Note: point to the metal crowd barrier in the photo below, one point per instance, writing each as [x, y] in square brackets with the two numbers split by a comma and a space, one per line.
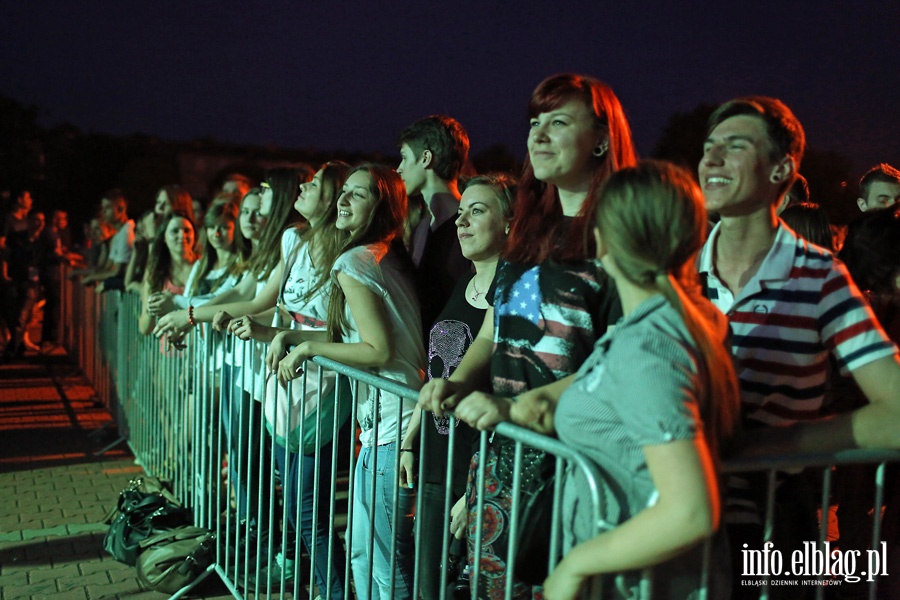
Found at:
[196, 417]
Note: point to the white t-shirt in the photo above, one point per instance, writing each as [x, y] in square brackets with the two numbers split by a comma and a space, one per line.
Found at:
[192, 297]
[122, 244]
[300, 279]
[381, 272]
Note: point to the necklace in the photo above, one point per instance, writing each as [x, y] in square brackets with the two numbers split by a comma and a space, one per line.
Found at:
[475, 293]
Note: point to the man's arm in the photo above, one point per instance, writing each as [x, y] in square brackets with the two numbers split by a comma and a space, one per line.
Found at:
[871, 426]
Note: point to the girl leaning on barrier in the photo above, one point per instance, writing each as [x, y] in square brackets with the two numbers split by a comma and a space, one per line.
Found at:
[551, 299]
[652, 406]
[168, 266]
[373, 323]
[482, 225]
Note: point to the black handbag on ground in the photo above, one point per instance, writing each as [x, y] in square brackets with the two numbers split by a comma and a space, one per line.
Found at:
[170, 560]
[137, 515]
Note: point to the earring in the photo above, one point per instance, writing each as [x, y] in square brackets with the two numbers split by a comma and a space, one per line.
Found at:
[507, 230]
[600, 150]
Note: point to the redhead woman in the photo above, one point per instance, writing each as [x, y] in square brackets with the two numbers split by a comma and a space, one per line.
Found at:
[551, 300]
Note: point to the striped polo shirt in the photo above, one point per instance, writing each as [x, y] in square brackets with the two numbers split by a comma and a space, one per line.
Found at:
[800, 307]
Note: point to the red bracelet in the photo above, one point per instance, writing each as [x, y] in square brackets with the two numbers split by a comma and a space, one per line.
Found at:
[191, 320]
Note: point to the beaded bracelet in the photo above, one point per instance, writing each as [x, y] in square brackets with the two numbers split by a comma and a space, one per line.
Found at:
[191, 320]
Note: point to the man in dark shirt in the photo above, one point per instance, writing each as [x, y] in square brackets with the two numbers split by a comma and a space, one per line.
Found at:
[433, 151]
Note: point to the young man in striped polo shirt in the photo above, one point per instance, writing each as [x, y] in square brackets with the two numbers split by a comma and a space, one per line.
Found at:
[791, 306]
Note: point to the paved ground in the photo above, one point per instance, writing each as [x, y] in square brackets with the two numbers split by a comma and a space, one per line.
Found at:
[55, 491]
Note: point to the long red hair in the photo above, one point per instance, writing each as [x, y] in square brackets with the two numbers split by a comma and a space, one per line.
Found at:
[535, 233]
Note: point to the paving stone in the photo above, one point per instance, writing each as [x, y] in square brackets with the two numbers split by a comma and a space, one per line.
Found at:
[45, 589]
[67, 585]
[97, 566]
[39, 575]
[8, 580]
[110, 591]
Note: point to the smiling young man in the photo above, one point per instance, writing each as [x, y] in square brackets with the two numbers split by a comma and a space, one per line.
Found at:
[879, 188]
[433, 151]
[791, 306]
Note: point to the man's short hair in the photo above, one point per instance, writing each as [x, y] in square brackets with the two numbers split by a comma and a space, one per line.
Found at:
[445, 138]
[883, 173]
[783, 128]
[117, 197]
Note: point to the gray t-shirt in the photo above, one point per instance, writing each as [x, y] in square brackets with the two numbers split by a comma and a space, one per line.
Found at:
[638, 388]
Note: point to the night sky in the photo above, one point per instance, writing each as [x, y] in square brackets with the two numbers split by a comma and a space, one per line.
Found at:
[351, 76]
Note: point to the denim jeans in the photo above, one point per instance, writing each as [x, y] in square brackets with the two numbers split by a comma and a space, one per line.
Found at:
[289, 468]
[383, 476]
[241, 417]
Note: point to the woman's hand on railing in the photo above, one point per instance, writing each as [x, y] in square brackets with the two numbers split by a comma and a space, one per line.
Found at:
[174, 324]
[248, 328]
[483, 411]
[221, 321]
[406, 477]
[438, 395]
[291, 366]
[563, 585]
[160, 303]
[277, 350]
[459, 515]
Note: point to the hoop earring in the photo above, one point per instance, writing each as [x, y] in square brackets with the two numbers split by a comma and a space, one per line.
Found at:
[601, 149]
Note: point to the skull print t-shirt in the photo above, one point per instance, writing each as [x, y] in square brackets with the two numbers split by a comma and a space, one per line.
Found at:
[449, 338]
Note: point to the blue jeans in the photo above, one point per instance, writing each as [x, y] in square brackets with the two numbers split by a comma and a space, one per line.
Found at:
[242, 419]
[383, 476]
[289, 469]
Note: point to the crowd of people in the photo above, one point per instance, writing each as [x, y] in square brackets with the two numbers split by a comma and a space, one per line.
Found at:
[656, 324]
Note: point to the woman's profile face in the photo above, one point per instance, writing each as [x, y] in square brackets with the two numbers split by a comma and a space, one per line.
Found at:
[310, 203]
[356, 202]
[480, 223]
[251, 218]
[221, 235]
[180, 237]
[162, 206]
[561, 143]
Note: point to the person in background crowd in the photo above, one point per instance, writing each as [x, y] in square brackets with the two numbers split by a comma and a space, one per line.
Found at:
[373, 323]
[169, 265]
[23, 253]
[797, 194]
[578, 137]
[16, 221]
[871, 255]
[236, 183]
[433, 151]
[114, 211]
[169, 198]
[774, 287]
[53, 253]
[879, 188]
[482, 225]
[810, 221]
